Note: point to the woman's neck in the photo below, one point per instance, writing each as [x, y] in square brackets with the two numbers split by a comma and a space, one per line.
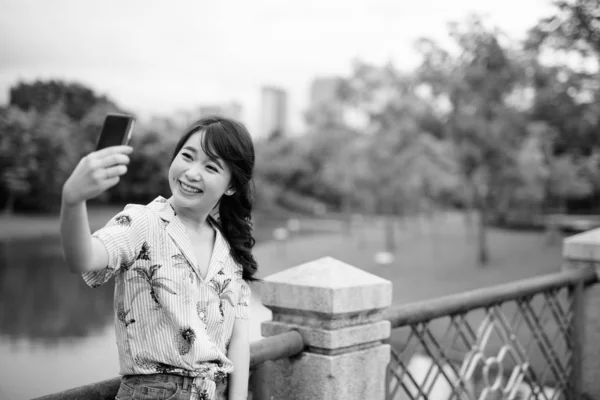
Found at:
[192, 219]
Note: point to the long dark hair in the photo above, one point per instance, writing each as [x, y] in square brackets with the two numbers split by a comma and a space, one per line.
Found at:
[230, 141]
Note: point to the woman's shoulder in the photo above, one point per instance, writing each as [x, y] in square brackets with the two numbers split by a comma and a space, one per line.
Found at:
[134, 212]
[155, 206]
[137, 210]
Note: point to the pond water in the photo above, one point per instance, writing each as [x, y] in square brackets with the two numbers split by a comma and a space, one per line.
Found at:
[56, 332]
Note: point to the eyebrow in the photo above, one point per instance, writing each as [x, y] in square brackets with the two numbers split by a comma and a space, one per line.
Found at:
[195, 151]
[190, 148]
[216, 161]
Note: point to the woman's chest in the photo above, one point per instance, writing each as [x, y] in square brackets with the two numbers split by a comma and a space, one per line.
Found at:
[202, 248]
[201, 259]
[168, 271]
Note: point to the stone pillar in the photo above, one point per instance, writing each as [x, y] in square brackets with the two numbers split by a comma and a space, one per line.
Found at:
[583, 251]
[338, 310]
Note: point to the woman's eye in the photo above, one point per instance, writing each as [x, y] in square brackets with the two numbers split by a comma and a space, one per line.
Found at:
[212, 168]
[186, 155]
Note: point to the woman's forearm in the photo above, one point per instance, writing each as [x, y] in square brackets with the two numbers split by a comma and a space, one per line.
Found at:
[239, 354]
[81, 252]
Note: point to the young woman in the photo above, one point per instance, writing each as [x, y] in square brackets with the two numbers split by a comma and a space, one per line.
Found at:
[182, 265]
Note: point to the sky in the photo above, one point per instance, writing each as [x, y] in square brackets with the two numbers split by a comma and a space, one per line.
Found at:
[156, 57]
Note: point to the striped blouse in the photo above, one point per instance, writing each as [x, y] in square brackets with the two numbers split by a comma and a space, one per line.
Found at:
[167, 318]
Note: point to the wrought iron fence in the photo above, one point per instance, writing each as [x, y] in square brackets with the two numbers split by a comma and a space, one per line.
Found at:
[513, 341]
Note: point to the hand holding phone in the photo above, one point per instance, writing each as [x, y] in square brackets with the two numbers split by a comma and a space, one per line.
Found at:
[95, 173]
[103, 168]
[116, 131]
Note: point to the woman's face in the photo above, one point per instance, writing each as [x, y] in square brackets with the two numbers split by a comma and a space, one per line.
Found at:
[197, 181]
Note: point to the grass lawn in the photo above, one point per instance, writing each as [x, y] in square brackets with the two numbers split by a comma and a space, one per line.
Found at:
[432, 258]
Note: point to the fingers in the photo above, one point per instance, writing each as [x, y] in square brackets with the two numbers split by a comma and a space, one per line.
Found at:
[101, 175]
[114, 172]
[112, 160]
[112, 182]
[108, 157]
[113, 150]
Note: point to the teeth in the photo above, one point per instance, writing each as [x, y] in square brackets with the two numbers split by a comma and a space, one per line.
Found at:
[189, 188]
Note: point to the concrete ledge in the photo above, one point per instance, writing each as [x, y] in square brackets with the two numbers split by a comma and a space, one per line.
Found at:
[334, 339]
[583, 246]
[311, 319]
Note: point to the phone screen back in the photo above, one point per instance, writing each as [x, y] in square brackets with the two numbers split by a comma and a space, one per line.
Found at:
[115, 131]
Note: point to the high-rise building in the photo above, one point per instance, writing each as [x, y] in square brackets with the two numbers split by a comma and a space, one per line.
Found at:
[273, 121]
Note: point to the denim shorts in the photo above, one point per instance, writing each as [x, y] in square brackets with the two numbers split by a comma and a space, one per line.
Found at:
[161, 387]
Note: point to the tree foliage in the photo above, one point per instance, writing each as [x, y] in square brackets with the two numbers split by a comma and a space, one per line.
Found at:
[42, 96]
[575, 25]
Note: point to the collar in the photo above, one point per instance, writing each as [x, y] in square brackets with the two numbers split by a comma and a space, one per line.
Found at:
[163, 208]
[177, 231]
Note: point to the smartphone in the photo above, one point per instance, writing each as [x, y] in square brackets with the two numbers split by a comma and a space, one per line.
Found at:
[116, 130]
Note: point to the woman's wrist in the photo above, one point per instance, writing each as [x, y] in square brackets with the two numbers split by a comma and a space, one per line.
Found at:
[70, 199]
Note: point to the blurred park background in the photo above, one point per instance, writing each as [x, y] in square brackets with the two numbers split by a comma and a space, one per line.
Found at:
[462, 171]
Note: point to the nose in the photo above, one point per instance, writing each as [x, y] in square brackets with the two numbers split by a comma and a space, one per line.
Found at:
[193, 174]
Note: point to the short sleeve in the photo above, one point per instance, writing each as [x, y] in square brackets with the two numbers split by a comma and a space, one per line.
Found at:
[123, 237]
[242, 309]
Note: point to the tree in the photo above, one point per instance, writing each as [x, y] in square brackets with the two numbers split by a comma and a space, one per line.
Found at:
[567, 97]
[397, 165]
[574, 27]
[566, 100]
[55, 155]
[475, 80]
[17, 150]
[567, 91]
[283, 170]
[42, 96]
[567, 178]
[37, 156]
[38, 96]
[49, 126]
[522, 190]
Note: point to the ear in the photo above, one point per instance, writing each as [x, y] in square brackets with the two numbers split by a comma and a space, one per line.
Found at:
[229, 191]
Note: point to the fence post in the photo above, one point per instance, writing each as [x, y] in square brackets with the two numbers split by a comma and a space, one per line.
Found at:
[583, 251]
[338, 310]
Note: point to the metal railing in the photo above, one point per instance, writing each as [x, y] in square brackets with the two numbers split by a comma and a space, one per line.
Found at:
[272, 348]
[513, 341]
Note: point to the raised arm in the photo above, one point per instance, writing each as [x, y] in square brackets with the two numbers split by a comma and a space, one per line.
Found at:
[94, 174]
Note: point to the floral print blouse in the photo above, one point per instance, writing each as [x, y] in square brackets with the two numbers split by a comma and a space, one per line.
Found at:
[167, 318]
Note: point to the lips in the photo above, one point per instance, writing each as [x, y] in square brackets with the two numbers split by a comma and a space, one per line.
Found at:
[189, 189]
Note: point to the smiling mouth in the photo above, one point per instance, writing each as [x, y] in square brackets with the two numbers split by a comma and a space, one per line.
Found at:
[189, 189]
